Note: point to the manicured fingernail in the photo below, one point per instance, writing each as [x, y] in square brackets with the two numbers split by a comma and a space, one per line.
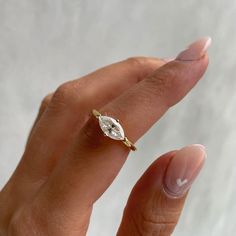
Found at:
[183, 169]
[195, 50]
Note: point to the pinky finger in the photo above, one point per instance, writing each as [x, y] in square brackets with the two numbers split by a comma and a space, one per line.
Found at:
[156, 202]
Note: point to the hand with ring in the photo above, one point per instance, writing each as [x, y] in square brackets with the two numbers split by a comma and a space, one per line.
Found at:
[81, 138]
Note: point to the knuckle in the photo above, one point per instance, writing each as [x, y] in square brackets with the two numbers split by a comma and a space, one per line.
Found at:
[160, 84]
[156, 218]
[156, 225]
[148, 224]
[64, 92]
[47, 99]
[162, 80]
[142, 65]
[137, 61]
[68, 96]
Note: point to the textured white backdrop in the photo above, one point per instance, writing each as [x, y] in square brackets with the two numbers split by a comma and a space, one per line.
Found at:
[44, 43]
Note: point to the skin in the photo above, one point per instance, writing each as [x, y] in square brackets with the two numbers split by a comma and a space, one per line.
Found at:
[55, 185]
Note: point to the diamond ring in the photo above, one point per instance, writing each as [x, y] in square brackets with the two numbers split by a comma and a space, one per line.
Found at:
[112, 128]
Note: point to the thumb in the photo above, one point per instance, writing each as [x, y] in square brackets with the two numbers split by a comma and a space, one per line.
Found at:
[157, 199]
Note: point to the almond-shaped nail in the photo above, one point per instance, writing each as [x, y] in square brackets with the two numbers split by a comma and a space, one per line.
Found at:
[183, 169]
[195, 50]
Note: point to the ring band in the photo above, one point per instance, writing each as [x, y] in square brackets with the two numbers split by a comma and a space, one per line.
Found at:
[112, 128]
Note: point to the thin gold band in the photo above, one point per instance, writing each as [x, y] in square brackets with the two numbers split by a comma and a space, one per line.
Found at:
[126, 141]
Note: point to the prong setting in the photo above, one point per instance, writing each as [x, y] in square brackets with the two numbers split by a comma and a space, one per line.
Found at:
[112, 128]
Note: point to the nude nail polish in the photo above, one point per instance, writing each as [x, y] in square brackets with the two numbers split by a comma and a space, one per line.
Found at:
[195, 50]
[183, 169]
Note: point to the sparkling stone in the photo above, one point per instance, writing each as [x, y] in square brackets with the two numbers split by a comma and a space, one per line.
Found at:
[111, 127]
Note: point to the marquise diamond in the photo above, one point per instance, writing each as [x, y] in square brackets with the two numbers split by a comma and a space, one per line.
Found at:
[111, 127]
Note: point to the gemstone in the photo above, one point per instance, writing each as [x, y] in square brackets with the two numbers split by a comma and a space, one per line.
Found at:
[111, 127]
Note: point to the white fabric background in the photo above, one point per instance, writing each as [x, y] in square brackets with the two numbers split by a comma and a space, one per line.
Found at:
[44, 43]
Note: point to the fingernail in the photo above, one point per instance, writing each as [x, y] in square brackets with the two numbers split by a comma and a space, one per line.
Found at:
[195, 50]
[183, 169]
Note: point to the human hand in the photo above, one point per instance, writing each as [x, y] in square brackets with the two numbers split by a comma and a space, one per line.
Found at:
[68, 164]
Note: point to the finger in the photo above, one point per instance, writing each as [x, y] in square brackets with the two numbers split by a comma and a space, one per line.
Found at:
[93, 161]
[44, 105]
[68, 110]
[17, 185]
[157, 199]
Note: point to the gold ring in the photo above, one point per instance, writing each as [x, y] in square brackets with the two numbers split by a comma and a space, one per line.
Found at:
[112, 128]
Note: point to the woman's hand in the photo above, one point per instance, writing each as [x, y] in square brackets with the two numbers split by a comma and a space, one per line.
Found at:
[68, 163]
